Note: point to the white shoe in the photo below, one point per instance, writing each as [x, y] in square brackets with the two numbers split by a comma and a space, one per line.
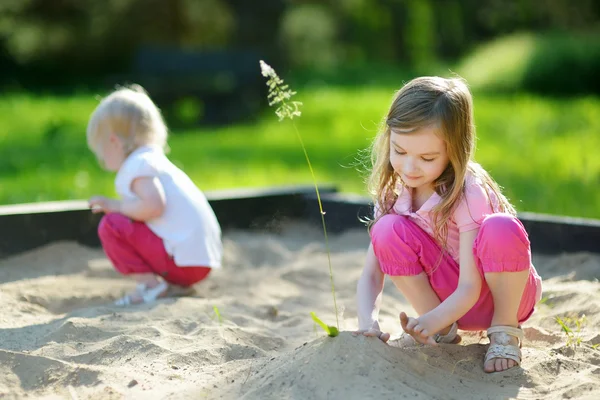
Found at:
[147, 295]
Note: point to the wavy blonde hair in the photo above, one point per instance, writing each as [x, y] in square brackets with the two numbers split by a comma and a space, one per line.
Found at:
[422, 102]
[129, 113]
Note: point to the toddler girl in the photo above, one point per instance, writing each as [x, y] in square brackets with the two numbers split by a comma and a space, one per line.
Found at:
[162, 230]
[443, 231]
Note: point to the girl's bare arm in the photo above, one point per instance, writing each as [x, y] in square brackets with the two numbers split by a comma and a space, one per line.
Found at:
[368, 292]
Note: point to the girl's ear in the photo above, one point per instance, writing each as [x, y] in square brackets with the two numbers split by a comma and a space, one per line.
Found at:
[113, 139]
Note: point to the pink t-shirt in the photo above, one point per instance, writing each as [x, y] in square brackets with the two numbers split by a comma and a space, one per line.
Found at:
[475, 205]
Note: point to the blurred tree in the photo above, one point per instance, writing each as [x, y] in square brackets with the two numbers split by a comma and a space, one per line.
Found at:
[309, 36]
[420, 34]
[83, 38]
[507, 16]
[258, 28]
[367, 29]
[450, 25]
[60, 41]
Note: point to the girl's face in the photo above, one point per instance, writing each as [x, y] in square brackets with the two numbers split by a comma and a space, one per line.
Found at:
[111, 153]
[419, 157]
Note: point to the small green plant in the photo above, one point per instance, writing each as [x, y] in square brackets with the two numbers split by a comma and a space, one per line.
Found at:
[572, 328]
[280, 96]
[543, 300]
[218, 315]
[331, 331]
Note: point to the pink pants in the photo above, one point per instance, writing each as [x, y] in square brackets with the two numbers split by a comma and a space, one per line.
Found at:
[404, 249]
[134, 249]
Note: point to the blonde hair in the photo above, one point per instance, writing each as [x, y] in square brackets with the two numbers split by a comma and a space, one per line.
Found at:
[129, 113]
[448, 104]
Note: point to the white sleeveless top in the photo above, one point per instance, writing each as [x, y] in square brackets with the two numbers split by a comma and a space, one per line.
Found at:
[188, 226]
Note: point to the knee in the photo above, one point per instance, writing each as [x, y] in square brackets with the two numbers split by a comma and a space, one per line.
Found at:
[109, 225]
[503, 228]
[501, 224]
[386, 228]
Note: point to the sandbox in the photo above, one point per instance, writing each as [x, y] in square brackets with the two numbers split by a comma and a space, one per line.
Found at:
[247, 333]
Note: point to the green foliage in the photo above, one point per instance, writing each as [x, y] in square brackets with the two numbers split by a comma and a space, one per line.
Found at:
[188, 111]
[309, 34]
[564, 64]
[572, 327]
[420, 33]
[331, 331]
[542, 151]
[555, 64]
[218, 316]
[499, 65]
[80, 41]
[37, 31]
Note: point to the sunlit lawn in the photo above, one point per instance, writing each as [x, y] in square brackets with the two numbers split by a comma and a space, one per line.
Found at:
[543, 151]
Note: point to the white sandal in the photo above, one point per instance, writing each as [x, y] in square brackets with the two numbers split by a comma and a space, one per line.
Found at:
[448, 337]
[501, 347]
[148, 295]
[406, 340]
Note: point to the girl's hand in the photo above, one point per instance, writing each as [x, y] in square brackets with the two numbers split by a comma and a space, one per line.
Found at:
[103, 204]
[414, 328]
[373, 332]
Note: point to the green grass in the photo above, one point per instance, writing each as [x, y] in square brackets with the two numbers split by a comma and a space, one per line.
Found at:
[542, 151]
[550, 63]
[499, 65]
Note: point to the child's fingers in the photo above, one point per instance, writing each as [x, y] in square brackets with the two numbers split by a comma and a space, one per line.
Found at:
[421, 330]
[403, 320]
[430, 341]
[424, 339]
[427, 339]
[412, 323]
[95, 199]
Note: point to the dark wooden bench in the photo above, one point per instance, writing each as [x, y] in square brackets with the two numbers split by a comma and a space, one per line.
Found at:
[208, 88]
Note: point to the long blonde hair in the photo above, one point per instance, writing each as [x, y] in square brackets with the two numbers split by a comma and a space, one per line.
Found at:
[129, 113]
[419, 103]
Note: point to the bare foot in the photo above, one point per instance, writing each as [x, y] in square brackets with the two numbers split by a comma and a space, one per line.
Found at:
[383, 336]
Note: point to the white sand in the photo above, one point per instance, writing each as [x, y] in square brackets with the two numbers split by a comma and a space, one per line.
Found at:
[61, 338]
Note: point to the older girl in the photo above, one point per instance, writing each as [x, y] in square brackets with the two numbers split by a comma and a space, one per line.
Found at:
[443, 231]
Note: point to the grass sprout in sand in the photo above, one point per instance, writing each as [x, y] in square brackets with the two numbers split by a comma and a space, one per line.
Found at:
[280, 96]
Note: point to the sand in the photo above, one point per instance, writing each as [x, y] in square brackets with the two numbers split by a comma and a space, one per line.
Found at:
[60, 337]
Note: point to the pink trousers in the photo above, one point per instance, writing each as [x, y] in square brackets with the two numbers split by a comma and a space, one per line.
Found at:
[134, 249]
[404, 249]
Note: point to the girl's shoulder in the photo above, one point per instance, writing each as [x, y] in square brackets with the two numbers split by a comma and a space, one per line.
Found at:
[473, 177]
[144, 161]
[475, 191]
[475, 186]
[476, 203]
